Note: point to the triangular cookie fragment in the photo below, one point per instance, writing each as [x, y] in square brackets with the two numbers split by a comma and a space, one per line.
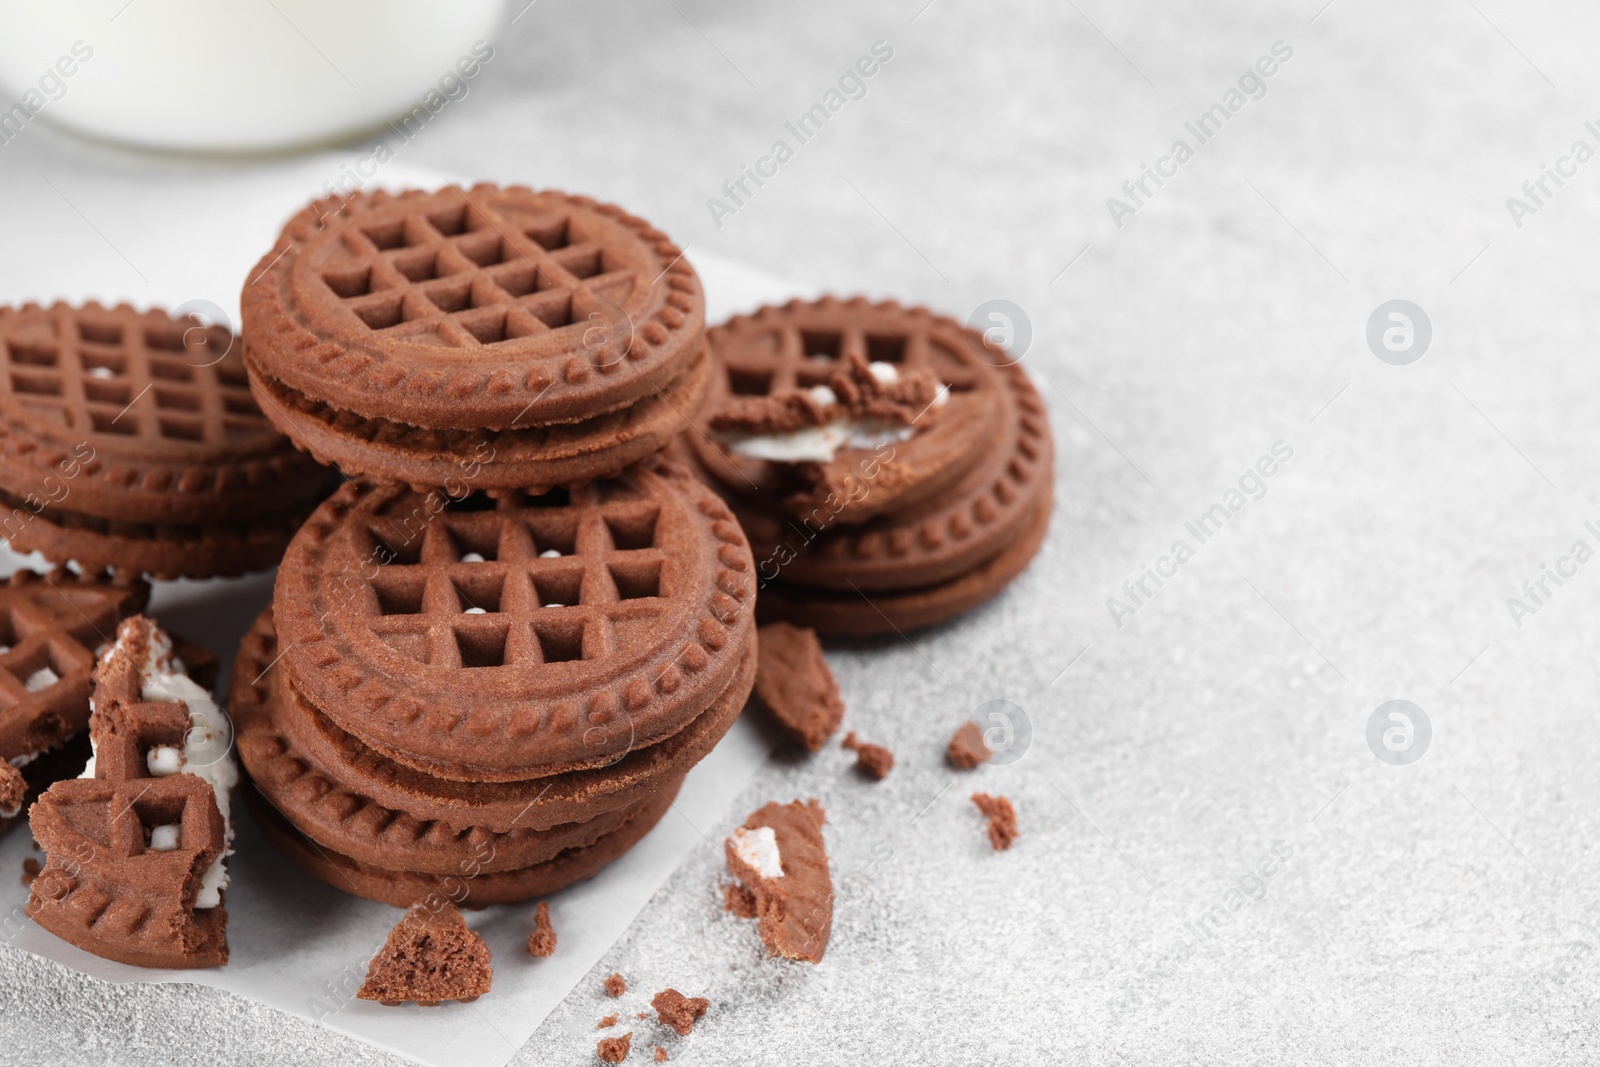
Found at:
[430, 957]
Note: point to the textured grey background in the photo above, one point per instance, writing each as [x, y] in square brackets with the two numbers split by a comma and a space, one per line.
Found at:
[1438, 913]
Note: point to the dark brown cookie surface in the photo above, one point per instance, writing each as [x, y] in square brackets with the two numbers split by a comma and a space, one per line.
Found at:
[498, 308]
[906, 512]
[780, 857]
[124, 431]
[133, 852]
[498, 640]
[795, 684]
[469, 889]
[50, 625]
[356, 801]
[429, 957]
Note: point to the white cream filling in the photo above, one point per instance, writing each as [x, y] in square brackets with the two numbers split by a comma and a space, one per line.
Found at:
[472, 557]
[550, 553]
[165, 838]
[101, 372]
[759, 849]
[819, 444]
[474, 611]
[41, 679]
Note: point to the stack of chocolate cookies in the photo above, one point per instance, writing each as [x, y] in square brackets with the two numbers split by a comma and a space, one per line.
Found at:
[491, 659]
[891, 467]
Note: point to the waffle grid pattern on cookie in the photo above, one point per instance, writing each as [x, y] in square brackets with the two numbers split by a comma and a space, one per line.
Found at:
[458, 277]
[47, 631]
[138, 375]
[791, 356]
[480, 588]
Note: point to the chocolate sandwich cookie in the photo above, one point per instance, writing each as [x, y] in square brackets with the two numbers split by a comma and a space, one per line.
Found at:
[354, 801]
[130, 440]
[486, 640]
[867, 513]
[496, 337]
[135, 847]
[470, 887]
[50, 625]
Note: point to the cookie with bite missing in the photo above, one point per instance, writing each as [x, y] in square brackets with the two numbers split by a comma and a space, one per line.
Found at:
[892, 467]
[495, 337]
[129, 440]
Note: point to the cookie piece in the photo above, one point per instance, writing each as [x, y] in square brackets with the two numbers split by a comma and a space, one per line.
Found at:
[967, 747]
[355, 802]
[795, 684]
[873, 760]
[780, 857]
[488, 640]
[502, 337]
[429, 957]
[50, 625]
[661, 1054]
[542, 942]
[134, 849]
[678, 1011]
[616, 985]
[1002, 820]
[614, 1049]
[404, 888]
[130, 439]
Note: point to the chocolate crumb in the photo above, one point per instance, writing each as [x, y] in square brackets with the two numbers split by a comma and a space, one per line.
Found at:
[874, 760]
[13, 787]
[678, 1011]
[739, 900]
[857, 394]
[542, 942]
[641, 1015]
[794, 683]
[795, 903]
[430, 956]
[1002, 818]
[30, 870]
[614, 1049]
[609, 1020]
[616, 985]
[661, 1054]
[968, 748]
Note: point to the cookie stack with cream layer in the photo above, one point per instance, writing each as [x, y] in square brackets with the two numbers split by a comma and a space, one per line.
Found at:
[491, 659]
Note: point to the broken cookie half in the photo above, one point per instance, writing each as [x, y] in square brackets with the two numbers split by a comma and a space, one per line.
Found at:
[780, 857]
[134, 848]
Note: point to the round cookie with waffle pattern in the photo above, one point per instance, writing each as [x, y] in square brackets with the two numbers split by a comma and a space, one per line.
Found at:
[129, 440]
[488, 639]
[547, 338]
[891, 467]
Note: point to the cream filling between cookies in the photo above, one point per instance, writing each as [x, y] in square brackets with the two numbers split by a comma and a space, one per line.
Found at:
[759, 849]
[206, 752]
[819, 444]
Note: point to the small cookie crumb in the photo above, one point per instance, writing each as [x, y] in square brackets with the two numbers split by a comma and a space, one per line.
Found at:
[1002, 818]
[641, 1015]
[678, 1011]
[661, 1054]
[616, 985]
[608, 1021]
[30, 870]
[542, 942]
[968, 748]
[739, 900]
[874, 760]
[614, 1049]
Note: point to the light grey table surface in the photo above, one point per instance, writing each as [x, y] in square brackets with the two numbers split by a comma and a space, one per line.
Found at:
[1441, 912]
